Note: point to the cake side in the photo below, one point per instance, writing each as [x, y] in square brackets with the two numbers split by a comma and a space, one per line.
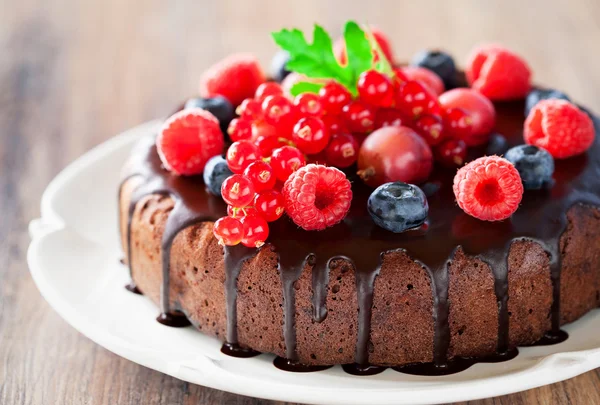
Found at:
[402, 327]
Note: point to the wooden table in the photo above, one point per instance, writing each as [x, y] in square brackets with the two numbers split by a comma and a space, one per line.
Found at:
[74, 73]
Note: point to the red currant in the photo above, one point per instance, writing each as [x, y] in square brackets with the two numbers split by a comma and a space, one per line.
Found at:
[286, 160]
[261, 128]
[240, 212]
[239, 129]
[269, 205]
[334, 97]
[399, 78]
[310, 135]
[459, 123]
[256, 231]
[266, 144]
[228, 231]
[240, 154]
[308, 104]
[451, 153]
[414, 99]
[342, 151]
[250, 109]
[334, 124]
[268, 89]
[276, 109]
[480, 109]
[375, 88]
[262, 175]
[359, 117]
[431, 128]
[237, 190]
[389, 117]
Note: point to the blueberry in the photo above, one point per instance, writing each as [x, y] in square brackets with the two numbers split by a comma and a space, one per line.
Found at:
[398, 206]
[218, 106]
[215, 173]
[535, 165]
[537, 95]
[498, 145]
[438, 62]
[278, 69]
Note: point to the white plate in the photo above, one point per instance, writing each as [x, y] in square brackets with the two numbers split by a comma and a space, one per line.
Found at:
[73, 259]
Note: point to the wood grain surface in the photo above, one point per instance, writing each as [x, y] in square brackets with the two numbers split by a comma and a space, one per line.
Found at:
[74, 73]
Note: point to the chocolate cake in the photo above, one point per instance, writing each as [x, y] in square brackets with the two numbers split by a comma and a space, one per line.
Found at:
[356, 294]
[408, 258]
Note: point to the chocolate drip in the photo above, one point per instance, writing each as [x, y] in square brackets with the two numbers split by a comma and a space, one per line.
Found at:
[131, 287]
[541, 218]
[235, 350]
[295, 367]
[174, 319]
[235, 256]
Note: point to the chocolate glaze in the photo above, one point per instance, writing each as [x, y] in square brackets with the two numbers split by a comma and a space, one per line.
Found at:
[295, 367]
[541, 218]
[235, 350]
[133, 288]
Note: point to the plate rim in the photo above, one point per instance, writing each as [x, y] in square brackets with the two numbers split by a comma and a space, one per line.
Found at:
[548, 370]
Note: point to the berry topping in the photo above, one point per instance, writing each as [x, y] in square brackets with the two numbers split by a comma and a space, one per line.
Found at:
[317, 197]
[188, 139]
[535, 165]
[237, 191]
[559, 127]
[250, 109]
[269, 205]
[228, 231]
[428, 78]
[334, 97]
[480, 109]
[261, 128]
[335, 124]
[218, 106]
[537, 95]
[430, 127]
[268, 89]
[240, 212]
[451, 153]
[310, 135]
[256, 231]
[278, 68]
[235, 78]
[359, 117]
[266, 144]
[215, 173]
[389, 117]
[342, 151]
[239, 129]
[240, 154]
[375, 88]
[394, 154]
[438, 62]
[414, 99]
[277, 110]
[285, 161]
[382, 41]
[398, 206]
[488, 188]
[498, 73]
[309, 104]
[262, 175]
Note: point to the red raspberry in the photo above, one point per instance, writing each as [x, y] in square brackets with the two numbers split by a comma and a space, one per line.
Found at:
[559, 127]
[498, 73]
[488, 188]
[339, 47]
[236, 77]
[188, 139]
[317, 197]
[426, 77]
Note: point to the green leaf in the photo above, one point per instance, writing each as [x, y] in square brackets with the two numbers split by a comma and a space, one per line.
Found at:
[358, 50]
[305, 87]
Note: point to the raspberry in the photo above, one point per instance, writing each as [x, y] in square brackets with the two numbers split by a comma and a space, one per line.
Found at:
[317, 197]
[488, 188]
[559, 127]
[188, 139]
[498, 73]
[236, 78]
